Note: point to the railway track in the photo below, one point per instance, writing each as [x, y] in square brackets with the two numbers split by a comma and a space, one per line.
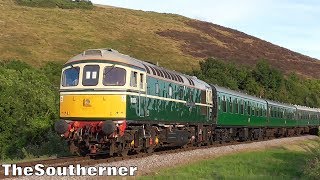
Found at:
[87, 161]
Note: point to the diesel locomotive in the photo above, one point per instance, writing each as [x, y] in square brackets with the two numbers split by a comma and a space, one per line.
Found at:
[113, 104]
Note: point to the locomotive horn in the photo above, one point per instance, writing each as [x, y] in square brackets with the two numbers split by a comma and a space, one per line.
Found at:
[61, 126]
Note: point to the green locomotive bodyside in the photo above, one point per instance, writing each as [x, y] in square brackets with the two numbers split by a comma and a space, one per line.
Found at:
[168, 102]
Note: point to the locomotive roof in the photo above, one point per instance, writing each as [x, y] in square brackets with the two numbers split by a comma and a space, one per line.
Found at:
[105, 54]
[229, 91]
[151, 69]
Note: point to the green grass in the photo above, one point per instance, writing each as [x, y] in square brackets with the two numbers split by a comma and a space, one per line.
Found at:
[276, 163]
[38, 35]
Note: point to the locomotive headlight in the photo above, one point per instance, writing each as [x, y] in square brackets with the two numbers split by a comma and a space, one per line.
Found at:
[86, 102]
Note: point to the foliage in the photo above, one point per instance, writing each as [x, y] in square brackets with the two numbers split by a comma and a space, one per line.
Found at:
[63, 4]
[28, 109]
[261, 81]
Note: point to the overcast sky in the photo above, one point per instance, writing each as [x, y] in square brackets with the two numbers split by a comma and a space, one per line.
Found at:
[292, 24]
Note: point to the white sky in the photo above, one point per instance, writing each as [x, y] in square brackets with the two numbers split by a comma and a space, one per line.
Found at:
[292, 24]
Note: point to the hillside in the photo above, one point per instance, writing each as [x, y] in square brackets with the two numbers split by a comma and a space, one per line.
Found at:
[37, 35]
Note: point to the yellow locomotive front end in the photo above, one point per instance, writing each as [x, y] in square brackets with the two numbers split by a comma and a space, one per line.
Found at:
[92, 106]
[93, 95]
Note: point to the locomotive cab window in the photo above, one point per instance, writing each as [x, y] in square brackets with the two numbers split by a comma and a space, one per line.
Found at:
[70, 77]
[114, 76]
[141, 81]
[90, 75]
[134, 79]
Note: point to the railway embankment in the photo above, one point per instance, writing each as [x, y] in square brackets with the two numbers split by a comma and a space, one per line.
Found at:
[151, 164]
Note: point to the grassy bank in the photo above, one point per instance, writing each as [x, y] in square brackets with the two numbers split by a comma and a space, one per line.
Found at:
[287, 162]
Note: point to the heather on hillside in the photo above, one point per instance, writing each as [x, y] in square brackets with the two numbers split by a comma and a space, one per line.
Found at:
[37, 35]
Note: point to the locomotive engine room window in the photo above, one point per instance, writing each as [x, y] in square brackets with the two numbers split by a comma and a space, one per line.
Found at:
[181, 93]
[170, 91]
[157, 88]
[134, 79]
[70, 77]
[90, 75]
[114, 76]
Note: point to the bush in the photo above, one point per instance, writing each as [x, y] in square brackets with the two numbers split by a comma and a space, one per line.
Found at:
[64, 4]
[312, 168]
[28, 109]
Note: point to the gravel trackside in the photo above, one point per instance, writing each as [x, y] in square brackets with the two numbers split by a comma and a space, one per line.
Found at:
[153, 163]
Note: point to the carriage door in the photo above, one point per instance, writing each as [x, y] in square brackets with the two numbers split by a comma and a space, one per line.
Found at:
[142, 93]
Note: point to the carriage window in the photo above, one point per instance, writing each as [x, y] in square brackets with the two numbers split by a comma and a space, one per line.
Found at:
[70, 77]
[241, 107]
[249, 108]
[224, 104]
[134, 79]
[90, 75]
[230, 104]
[114, 76]
[236, 106]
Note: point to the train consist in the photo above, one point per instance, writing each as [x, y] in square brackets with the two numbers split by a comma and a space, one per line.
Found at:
[113, 104]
